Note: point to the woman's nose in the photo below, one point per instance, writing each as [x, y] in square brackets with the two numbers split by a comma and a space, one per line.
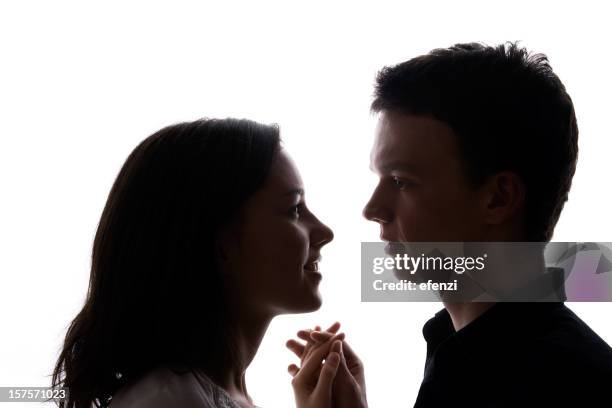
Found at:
[322, 235]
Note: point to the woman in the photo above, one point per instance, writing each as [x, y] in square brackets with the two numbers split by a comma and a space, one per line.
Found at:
[205, 237]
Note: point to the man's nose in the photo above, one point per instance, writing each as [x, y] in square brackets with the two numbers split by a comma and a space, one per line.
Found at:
[376, 211]
[376, 214]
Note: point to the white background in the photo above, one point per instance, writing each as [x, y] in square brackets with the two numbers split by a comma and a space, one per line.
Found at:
[82, 83]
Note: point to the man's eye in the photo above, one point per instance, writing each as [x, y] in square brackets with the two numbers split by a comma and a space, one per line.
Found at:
[399, 183]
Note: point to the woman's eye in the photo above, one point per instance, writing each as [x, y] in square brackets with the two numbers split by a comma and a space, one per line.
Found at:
[295, 210]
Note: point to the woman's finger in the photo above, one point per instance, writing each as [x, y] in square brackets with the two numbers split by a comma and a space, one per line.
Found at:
[333, 328]
[348, 350]
[305, 334]
[318, 340]
[312, 363]
[320, 337]
[295, 346]
[323, 389]
[293, 369]
[307, 348]
[351, 358]
[328, 372]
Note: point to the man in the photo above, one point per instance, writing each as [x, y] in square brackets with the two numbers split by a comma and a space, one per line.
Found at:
[479, 143]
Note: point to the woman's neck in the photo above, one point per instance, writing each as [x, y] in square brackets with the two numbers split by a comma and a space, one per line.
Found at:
[248, 333]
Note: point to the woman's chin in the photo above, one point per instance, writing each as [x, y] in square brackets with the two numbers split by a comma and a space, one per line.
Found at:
[317, 302]
[308, 304]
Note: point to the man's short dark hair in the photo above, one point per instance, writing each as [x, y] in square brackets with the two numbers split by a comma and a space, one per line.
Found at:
[509, 111]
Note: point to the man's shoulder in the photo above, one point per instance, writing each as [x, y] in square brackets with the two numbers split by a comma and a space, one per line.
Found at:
[566, 343]
[560, 359]
[565, 329]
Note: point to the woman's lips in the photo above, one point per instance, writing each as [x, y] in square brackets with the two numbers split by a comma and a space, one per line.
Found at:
[312, 267]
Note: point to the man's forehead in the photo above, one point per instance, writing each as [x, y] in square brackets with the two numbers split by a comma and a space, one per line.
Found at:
[392, 143]
[396, 125]
[406, 140]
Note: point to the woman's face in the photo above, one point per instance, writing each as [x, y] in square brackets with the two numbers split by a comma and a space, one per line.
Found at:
[270, 254]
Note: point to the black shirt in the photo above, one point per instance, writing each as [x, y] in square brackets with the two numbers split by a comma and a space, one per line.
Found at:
[516, 355]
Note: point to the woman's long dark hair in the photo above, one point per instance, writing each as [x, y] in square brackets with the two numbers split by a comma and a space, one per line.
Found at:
[155, 295]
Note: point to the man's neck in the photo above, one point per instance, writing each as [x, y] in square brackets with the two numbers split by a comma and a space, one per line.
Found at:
[463, 314]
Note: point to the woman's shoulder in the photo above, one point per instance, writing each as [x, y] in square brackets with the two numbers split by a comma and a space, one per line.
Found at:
[166, 386]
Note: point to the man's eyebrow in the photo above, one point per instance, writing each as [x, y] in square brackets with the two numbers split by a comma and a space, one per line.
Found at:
[295, 191]
[387, 167]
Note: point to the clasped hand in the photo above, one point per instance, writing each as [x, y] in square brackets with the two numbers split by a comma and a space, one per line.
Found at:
[330, 374]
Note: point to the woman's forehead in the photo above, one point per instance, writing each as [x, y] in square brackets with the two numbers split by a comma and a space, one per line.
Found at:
[284, 177]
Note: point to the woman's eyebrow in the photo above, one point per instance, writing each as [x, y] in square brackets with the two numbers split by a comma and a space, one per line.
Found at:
[295, 191]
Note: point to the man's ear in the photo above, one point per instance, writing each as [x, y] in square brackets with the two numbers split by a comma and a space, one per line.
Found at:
[220, 251]
[505, 195]
[224, 241]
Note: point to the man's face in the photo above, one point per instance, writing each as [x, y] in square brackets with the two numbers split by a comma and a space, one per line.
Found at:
[423, 194]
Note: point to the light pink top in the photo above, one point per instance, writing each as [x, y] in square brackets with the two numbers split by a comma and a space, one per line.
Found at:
[166, 388]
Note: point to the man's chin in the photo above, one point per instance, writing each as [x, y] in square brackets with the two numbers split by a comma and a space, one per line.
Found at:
[424, 276]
